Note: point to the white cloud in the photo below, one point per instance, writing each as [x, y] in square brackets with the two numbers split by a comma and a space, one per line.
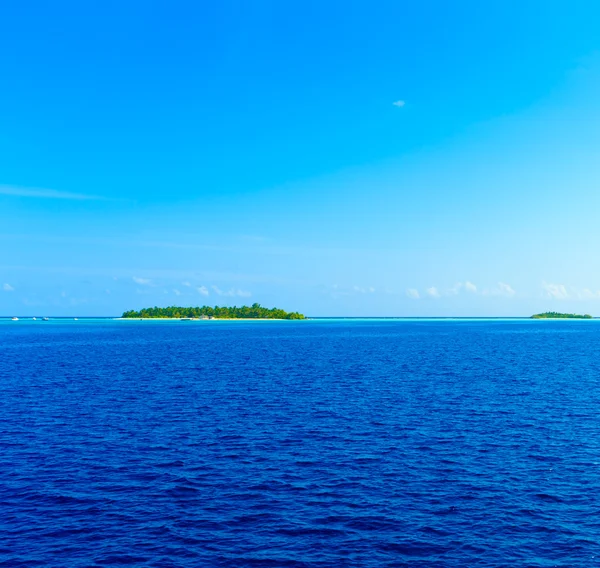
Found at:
[188, 284]
[588, 294]
[232, 292]
[142, 281]
[562, 292]
[502, 289]
[556, 291]
[202, 290]
[506, 290]
[361, 290]
[336, 291]
[45, 193]
[433, 292]
[8, 288]
[399, 103]
[467, 286]
[455, 289]
[176, 292]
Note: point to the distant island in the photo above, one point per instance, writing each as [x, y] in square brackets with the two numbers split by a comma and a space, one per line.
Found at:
[558, 315]
[255, 311]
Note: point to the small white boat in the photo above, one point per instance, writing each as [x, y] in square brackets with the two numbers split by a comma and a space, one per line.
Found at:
[75, 319]
[15, 319]
[45, 319]
[33, 319]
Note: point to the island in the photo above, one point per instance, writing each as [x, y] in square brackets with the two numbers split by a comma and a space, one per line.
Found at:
[255, 311]
[558, 315]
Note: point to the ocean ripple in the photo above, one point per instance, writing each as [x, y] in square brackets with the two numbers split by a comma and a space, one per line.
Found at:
[300, 444]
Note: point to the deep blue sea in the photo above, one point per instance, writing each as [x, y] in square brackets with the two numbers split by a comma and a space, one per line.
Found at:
[319, 443]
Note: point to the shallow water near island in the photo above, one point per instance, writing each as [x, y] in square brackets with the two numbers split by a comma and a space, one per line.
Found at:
[317, 443]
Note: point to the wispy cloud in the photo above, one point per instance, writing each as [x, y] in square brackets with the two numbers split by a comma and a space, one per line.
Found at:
[336, 291]
[362, 290]
[231, 293]
[18, 191]
[436, 292]
[506, 289]
[433, 292]
[176, 292]
[556, 291]
[455, 289]
[203, 290]
[399, 103]
[413, 293]
[563, 292]
[142, 281]
[186, 283]
[459, 286]
[587, 294]
[7, 287]
[502, 289]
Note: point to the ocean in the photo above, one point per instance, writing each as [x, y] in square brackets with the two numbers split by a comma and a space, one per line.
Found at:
[322, 443]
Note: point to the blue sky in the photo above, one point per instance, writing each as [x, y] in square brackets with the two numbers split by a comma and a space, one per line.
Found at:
[381, 158]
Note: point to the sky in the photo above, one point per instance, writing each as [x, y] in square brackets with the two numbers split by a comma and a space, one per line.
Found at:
[335, 158]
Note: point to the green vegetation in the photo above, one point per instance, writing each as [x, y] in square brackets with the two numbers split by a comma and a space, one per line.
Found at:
[255, 311]
[558, 315]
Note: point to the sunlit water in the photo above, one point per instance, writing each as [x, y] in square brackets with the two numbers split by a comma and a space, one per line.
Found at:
[340, 443]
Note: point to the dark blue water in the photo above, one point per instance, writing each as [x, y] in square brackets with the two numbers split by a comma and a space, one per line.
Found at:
[374, 443]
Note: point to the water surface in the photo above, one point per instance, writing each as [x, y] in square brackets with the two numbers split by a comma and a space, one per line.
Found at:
[318, 443]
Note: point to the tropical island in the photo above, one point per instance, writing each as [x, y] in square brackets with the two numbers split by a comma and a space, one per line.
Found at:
[558, 315]
[255, 311]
